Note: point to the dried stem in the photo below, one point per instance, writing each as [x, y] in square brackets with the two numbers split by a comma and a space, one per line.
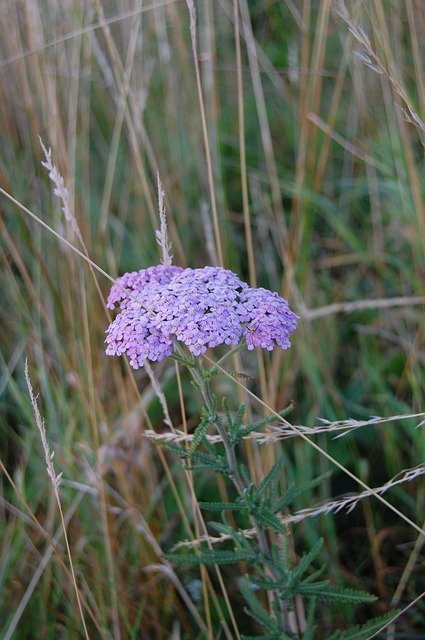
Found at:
[371, 59]
[192, 18]
[162, 233]
[284, 430]
[60, 190]
[55, 478]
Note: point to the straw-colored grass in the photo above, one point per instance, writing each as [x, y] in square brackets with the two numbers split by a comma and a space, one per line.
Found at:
[289, 140]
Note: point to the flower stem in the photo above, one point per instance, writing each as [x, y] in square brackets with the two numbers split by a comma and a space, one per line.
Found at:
[241, 486]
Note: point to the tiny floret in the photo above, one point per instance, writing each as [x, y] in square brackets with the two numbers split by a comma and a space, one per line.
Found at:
[134, 282]
[270, 319]
[200, 308]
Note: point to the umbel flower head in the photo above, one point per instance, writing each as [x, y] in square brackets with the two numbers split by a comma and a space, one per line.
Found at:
[201, 308]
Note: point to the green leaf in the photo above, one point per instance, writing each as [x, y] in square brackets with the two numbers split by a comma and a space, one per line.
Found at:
[310, 632]
[363, 632]
[324, 591]
[267, 636]
[272, 475]
[223, 506]
[315, 575]
[234, 423]
[267, 584]
[239, 414]
[220, 527]
[226, 412]
[184, 361]
[208, 556]
[267, 519]
[256, 611]
[292, 492]
[307, 559]
[259, 424]
[288, 498]
[216, 462]
[201, 430]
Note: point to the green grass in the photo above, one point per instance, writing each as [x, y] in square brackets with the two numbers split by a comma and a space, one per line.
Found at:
[337, 213]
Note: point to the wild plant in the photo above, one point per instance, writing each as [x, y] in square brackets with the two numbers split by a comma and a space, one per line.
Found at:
[168, 311]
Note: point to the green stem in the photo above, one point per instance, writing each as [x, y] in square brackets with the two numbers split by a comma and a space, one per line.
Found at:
[231, 352]
[241, 486]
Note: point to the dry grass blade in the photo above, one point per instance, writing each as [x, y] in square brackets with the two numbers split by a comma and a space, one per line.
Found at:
[348, 503]
[162, 233]
[371, 59]
[159, 394]
[48, 455]
[361, 305]
[79, 32]
[57, 235]
[276, 433]
[40, 569]
[55, 479]
[349, 146]
[216, 225]
[60, 189]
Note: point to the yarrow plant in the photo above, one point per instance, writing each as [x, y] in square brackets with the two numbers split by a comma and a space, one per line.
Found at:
[166, 311]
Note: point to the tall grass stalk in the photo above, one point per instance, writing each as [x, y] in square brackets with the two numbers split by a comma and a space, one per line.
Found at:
[55, 480]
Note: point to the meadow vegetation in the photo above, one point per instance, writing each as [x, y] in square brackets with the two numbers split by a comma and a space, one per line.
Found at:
[289, 138]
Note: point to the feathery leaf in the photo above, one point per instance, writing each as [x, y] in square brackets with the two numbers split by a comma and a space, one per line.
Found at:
[212, 557]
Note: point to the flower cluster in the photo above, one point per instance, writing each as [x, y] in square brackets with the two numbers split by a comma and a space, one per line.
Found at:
[201, 308]
[132, 283]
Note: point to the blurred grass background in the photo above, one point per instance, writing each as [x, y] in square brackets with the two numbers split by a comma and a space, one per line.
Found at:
[313, 118]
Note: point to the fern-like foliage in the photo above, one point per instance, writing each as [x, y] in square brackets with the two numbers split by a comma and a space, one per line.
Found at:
[212, 556]
[256, 611]
[207, 421]
[364, 631]
[324, 591]
[300, 580]
[267, 636]
[223, 506]
[200, 461]
[264, 422]
[261, 504]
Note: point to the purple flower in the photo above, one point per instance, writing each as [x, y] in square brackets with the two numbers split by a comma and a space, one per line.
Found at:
[201, 308]
[136, 281]
[270, 319]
